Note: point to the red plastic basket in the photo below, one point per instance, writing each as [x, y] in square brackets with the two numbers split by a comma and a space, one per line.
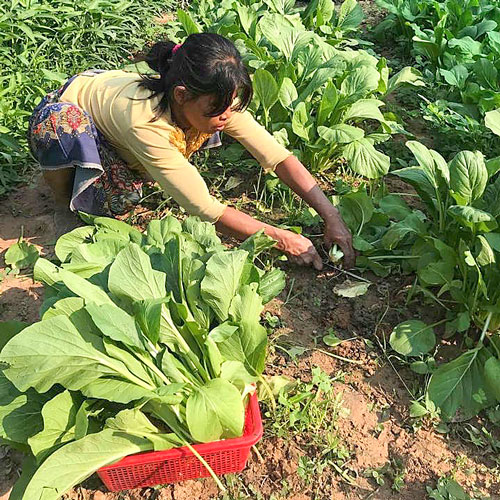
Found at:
[179, 464]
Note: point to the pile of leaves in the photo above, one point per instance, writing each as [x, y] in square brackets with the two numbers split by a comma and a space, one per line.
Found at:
[146, 342]
[316, 94]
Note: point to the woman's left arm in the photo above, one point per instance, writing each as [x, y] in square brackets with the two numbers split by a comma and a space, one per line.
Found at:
[273, 156]
[297, 177]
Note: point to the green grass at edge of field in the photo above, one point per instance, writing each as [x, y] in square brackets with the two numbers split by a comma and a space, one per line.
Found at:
[44, 42]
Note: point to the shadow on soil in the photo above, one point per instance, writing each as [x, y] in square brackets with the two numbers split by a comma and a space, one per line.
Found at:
[20, 301]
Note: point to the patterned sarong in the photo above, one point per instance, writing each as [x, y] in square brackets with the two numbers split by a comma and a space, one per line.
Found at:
[62, 135]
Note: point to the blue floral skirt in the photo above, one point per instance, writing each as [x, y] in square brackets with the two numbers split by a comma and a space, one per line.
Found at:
[61, 135]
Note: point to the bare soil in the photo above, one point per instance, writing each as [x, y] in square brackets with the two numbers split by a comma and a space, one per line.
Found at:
[376, 427]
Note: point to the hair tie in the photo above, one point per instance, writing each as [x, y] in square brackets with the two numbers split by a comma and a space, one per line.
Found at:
[176, 48]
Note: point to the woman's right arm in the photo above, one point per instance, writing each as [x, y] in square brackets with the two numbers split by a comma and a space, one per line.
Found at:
[240, 225]
[181, 180]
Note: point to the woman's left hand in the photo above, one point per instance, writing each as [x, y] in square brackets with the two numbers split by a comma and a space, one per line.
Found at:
[337, 232]
[295, 175]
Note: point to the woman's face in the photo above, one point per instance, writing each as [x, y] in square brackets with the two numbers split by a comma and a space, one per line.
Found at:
[193, 112]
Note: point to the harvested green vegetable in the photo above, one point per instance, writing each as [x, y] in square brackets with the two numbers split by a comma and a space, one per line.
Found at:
[335, 254]
[162, 325]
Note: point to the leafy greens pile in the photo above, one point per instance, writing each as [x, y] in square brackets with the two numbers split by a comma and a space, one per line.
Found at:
[164, 324]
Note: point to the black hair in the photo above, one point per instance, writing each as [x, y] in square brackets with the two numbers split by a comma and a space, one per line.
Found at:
[206, 64]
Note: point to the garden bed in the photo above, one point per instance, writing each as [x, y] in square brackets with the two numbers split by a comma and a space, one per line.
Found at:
[375, 429]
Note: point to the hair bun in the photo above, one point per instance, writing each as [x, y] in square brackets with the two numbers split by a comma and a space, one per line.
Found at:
[160, 56]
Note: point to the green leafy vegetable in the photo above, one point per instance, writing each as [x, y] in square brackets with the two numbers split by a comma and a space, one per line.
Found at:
[412, 338]
[21, 255]
[458, 387]
[169, 327]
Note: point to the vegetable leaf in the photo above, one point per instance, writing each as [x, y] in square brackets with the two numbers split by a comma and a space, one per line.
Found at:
[457, 387]
[215, 410]
[77, 460]
[412, 338]
[222, 279]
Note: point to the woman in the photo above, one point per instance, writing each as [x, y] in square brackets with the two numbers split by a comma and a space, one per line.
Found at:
[100, 136]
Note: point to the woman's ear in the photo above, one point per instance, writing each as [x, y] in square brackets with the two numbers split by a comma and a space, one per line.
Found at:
[180, 94]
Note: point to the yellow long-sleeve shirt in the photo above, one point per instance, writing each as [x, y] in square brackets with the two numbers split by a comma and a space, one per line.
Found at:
[122, 112]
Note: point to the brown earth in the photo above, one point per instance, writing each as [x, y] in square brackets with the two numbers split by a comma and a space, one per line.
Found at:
[376, 427]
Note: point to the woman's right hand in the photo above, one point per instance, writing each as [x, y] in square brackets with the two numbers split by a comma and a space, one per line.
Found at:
[299, 249]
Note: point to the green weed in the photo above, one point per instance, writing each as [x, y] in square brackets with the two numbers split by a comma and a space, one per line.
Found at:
[448, 489]
[394, 471]
[312, 410]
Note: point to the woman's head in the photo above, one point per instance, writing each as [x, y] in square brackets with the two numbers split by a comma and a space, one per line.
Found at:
[202, 78]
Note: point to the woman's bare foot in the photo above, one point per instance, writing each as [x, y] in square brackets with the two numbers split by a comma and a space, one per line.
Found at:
[65, 221]
[60, 182]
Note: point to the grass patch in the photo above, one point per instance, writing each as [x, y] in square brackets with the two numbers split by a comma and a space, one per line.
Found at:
[44, 42]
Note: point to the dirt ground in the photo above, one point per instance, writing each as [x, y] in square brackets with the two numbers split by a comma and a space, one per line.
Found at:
[376, 427]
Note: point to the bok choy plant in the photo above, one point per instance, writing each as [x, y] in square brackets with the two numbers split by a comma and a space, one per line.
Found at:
[455, 252]
[146, 342]
[319, 97]
[452, 243]
[457, 43]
